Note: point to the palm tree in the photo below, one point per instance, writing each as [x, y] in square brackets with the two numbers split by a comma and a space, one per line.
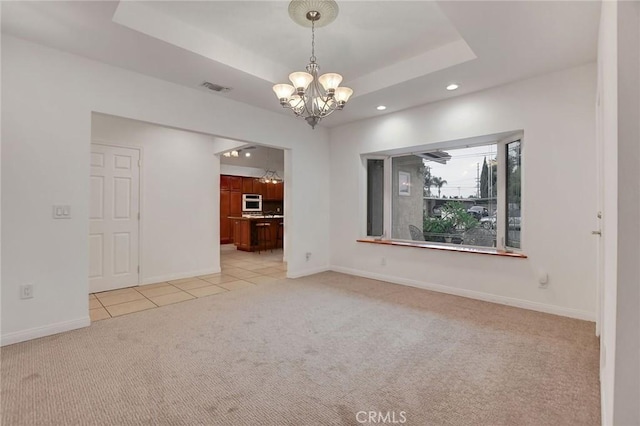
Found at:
[428, 181]
[438, 182]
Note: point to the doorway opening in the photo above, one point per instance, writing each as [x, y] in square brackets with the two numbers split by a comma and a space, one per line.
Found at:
[154, 219]
[252, 210]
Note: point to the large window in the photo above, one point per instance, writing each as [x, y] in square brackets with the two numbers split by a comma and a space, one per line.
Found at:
[456, 195]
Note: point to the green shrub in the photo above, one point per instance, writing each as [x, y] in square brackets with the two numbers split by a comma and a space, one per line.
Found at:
[454, 218]
[437, 225]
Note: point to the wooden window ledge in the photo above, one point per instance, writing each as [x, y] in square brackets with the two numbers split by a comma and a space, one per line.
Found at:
[462, 249]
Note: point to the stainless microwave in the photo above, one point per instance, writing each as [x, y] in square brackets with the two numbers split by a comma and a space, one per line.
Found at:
[251, 202]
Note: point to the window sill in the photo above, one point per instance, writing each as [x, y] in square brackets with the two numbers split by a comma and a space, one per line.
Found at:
[476, 250]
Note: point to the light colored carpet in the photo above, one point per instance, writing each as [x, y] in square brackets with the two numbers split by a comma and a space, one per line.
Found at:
[311, 351]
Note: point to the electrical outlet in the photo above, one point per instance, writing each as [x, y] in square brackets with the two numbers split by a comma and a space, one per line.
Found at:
[308, 255]
[383, 261]
[26, 291]
[543, 280]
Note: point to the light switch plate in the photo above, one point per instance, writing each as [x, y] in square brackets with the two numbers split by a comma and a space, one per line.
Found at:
[62, 212]
[26, 291]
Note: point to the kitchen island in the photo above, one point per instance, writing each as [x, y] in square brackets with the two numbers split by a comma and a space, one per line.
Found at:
[246, 234]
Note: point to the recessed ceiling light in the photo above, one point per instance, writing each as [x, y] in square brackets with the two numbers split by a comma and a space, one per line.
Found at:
[381, 107]
[452, 86]
[247, 154]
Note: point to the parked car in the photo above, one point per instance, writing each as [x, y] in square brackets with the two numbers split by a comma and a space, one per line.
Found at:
[489, 222]
[478, 212]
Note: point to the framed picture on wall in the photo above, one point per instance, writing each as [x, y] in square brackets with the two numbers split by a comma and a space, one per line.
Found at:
[404, 183]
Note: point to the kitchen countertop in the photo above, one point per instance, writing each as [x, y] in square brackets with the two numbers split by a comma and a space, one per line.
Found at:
[255, 217]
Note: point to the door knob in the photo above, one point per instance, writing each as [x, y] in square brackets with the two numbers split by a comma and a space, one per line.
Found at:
[596, 232]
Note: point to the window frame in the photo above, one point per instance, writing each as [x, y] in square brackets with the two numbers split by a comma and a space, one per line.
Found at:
[365, 161]
[364, 190]
[501, 197]
[503, 143]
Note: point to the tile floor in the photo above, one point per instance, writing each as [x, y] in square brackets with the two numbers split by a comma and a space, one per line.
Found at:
[239, 270]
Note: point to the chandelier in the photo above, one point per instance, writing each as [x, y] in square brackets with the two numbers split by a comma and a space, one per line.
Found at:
[310, 96]
[270, 176]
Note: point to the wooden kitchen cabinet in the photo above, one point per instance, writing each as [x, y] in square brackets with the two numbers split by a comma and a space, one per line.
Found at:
[246, 234]
[258, 187]
[274, 191]
[235, 204]
[236, 183]
[247, 185]
[225, 183]
[235, 224]
[225, 227]
[235, 209]
[242, 230]
[231, 190]
[230, 205]
[271, 191]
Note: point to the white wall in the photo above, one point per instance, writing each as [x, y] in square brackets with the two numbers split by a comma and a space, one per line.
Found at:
[556, 112]
[47, 100]
[608, 148]
[179, 187]
[618, 112]
[0, 176]
[626, 403]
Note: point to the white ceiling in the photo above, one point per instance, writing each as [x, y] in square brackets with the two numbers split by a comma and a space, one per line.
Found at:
[360, 40]
[400, 54]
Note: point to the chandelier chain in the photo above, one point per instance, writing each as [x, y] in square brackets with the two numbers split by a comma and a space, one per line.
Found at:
[313, 41]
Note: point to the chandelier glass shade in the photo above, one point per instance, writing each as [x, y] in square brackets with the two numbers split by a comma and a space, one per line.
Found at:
[311, 96]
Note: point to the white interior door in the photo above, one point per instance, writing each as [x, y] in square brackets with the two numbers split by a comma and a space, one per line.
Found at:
[114, 218]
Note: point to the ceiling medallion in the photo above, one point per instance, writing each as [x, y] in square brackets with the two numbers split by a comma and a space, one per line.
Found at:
[310, 96]
[327, 10]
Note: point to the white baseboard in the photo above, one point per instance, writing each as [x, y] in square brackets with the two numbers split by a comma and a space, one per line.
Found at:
[471, 294]
[179, 276]
[47, 330]
[305, 272]
[603, 404]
